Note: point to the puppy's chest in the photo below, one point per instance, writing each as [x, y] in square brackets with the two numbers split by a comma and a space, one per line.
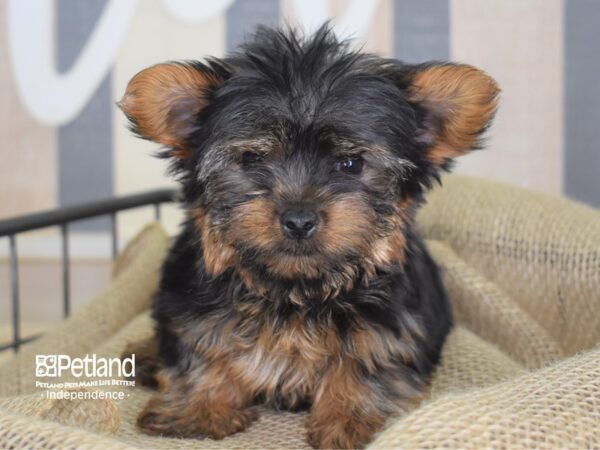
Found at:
[287, 358]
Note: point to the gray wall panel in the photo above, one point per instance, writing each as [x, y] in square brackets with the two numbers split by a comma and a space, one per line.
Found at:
[244, 15]
[582, 100]
[85, 144]
[421, 30]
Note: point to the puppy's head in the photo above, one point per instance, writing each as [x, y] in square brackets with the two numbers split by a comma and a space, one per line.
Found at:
[302, 160]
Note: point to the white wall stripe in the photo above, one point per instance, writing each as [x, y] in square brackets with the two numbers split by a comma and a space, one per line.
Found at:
[520, 43]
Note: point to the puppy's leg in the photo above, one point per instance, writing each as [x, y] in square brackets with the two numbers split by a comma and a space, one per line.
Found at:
[147, 362]
[197, 404]
[350, 406]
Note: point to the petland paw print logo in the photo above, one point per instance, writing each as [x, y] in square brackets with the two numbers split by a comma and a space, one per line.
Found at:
[46, 365]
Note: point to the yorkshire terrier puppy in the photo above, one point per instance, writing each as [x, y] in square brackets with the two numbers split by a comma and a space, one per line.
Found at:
[299, 280]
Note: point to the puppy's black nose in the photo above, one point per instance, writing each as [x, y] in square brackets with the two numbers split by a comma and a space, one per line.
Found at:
[299, 223]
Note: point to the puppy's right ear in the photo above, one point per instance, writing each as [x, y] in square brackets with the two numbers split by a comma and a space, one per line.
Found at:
[162, 102]
[459, 102]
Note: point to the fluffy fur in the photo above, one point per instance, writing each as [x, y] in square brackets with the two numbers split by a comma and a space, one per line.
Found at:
[348, 322]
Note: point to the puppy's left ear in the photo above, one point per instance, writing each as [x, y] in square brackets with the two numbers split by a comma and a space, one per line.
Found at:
[458, 102]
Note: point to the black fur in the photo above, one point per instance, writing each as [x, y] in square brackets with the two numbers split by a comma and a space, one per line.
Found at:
[187, 293]
[284, 114]
[306, 94]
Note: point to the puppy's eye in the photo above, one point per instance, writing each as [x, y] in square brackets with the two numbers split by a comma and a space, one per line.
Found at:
[251, 157]
[353, 165]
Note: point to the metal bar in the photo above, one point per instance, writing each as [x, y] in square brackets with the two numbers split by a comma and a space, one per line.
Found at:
[83, 211]
[16, 344]
[114, 234]
[14, 278]
[61, 217]
[157, 212]
[64, 229]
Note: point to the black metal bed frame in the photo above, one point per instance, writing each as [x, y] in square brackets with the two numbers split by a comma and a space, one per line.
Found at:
[62, 217]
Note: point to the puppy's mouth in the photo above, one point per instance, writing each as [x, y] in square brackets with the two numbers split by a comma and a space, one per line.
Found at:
[300, 248]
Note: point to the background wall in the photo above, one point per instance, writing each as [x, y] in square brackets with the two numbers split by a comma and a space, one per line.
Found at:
[63, 64]
[66, 62]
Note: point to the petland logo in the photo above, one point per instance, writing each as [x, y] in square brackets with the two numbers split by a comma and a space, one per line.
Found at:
[90, 366]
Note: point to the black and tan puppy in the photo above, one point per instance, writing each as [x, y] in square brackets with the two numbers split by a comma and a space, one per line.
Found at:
[298, 280]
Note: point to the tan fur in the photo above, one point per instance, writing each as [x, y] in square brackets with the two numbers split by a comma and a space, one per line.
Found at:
[377, 348]
[246, 354]
[391, 248]
[346, 413]
[256, 222]
[201, 403]
[348, 224]
[218, 256]
[163, 101]
[261, 355]
[290, 266]
[463, 98]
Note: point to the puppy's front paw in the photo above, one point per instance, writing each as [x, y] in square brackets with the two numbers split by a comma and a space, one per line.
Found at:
[217, 423]
[147, 362]
[343, 432]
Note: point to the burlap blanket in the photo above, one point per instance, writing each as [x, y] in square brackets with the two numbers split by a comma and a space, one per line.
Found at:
[521, 368]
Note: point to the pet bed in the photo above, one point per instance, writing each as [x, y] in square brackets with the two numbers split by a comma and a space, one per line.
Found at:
[520, 369]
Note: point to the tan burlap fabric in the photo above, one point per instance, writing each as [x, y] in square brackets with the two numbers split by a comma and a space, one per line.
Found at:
[520, 370]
